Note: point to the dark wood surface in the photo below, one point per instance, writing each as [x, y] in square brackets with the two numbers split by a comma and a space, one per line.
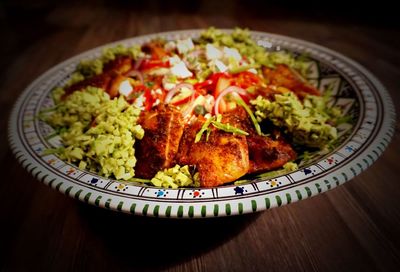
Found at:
[352, 228]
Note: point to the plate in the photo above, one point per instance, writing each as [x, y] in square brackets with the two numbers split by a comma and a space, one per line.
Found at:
[354, 89]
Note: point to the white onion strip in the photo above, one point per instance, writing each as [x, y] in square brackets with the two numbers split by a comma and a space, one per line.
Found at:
[136, 73]
[138, 63]
[189, 109]
[200, 100]
[231, 89]
[176, 89]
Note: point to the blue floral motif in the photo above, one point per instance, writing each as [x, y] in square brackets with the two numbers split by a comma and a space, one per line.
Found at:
[94, 180]
[239, 190]
[349, 148]
[308, 171]
[161, 193]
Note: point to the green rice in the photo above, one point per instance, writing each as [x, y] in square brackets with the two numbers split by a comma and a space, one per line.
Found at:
[176, 177]
[98, 133]
[308, 123]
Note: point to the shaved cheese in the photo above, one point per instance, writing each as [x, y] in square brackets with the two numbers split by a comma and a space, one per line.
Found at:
[212, 52]
[180, 70]
[185, 46]
[232, 53]
[125, 88]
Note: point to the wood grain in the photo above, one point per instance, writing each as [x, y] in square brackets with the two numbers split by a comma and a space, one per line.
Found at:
[352, 228]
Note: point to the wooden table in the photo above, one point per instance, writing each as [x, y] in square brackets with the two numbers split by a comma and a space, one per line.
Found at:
[352, 228]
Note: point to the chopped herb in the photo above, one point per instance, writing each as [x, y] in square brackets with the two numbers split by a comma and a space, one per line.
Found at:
[243, 68]
[202, 130]
[240, 101]
[228, 128]
[217, 124]
[149, 84]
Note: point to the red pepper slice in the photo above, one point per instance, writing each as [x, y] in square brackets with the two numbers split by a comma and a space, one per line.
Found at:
[149, 99]
[204, 84]
[210, 83]
[185, 99]
[153, 63]
[246, 79]
[182, 101]
[215, 77]
[148, 103]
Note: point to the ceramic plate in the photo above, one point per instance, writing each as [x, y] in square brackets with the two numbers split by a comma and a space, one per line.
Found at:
[361, 142]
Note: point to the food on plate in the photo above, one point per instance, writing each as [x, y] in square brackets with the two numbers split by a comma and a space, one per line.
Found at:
[203, 111]
[98, 133]
[220, 157]
[164, 126]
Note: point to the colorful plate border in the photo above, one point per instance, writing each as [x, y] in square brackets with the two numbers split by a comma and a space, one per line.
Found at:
[368, 141]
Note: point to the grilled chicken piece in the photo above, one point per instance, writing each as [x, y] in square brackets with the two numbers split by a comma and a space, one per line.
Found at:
[108, 80]
[99, 81]
[268, 154]
[155, 48]
[265, 153]
[286, 77]
[221, 159]
[163, 128]
[120, 65]
[113, 87]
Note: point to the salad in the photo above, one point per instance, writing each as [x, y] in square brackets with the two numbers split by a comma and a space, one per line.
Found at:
[198, 112]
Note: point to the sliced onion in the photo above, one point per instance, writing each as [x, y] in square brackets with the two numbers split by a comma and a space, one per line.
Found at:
[195, 53]
[189, 109]
[176, 89]
[138, 63]
[209, 104]
[136, 73]
[231, 89]
[192, 105]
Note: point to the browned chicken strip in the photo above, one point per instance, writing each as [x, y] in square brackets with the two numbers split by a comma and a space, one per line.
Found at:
[286, 77]
[120, 65]
[100, 81]
[268, 154]
[108, 80]
[265, 153]
[163, 128]
[221, 159]
[155, 48]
